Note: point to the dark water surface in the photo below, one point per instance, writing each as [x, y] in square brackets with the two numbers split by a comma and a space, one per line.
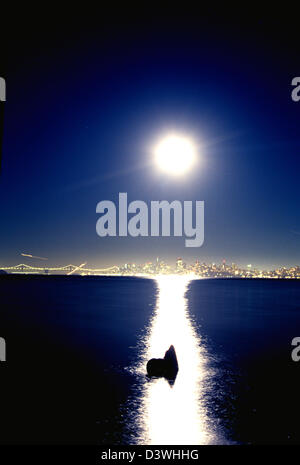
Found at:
[76, 348]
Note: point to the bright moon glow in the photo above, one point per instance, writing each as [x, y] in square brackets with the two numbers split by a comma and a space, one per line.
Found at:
[175, 155]
[174, 413]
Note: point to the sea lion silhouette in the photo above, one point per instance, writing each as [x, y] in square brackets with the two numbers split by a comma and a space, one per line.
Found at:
[166, 367]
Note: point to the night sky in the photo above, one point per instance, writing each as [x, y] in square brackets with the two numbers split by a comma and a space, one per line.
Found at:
[87, 99]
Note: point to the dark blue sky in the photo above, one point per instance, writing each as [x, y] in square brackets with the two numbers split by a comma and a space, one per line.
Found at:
[85, 103]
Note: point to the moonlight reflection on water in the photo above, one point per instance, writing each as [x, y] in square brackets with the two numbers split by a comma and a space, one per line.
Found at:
[173, 413]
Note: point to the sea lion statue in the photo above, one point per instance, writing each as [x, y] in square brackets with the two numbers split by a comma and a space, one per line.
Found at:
[166, 367]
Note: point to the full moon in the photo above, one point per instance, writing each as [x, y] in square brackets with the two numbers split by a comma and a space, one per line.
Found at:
[175, 155]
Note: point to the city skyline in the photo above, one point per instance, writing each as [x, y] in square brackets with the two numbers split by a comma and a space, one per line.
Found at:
[158, 266]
